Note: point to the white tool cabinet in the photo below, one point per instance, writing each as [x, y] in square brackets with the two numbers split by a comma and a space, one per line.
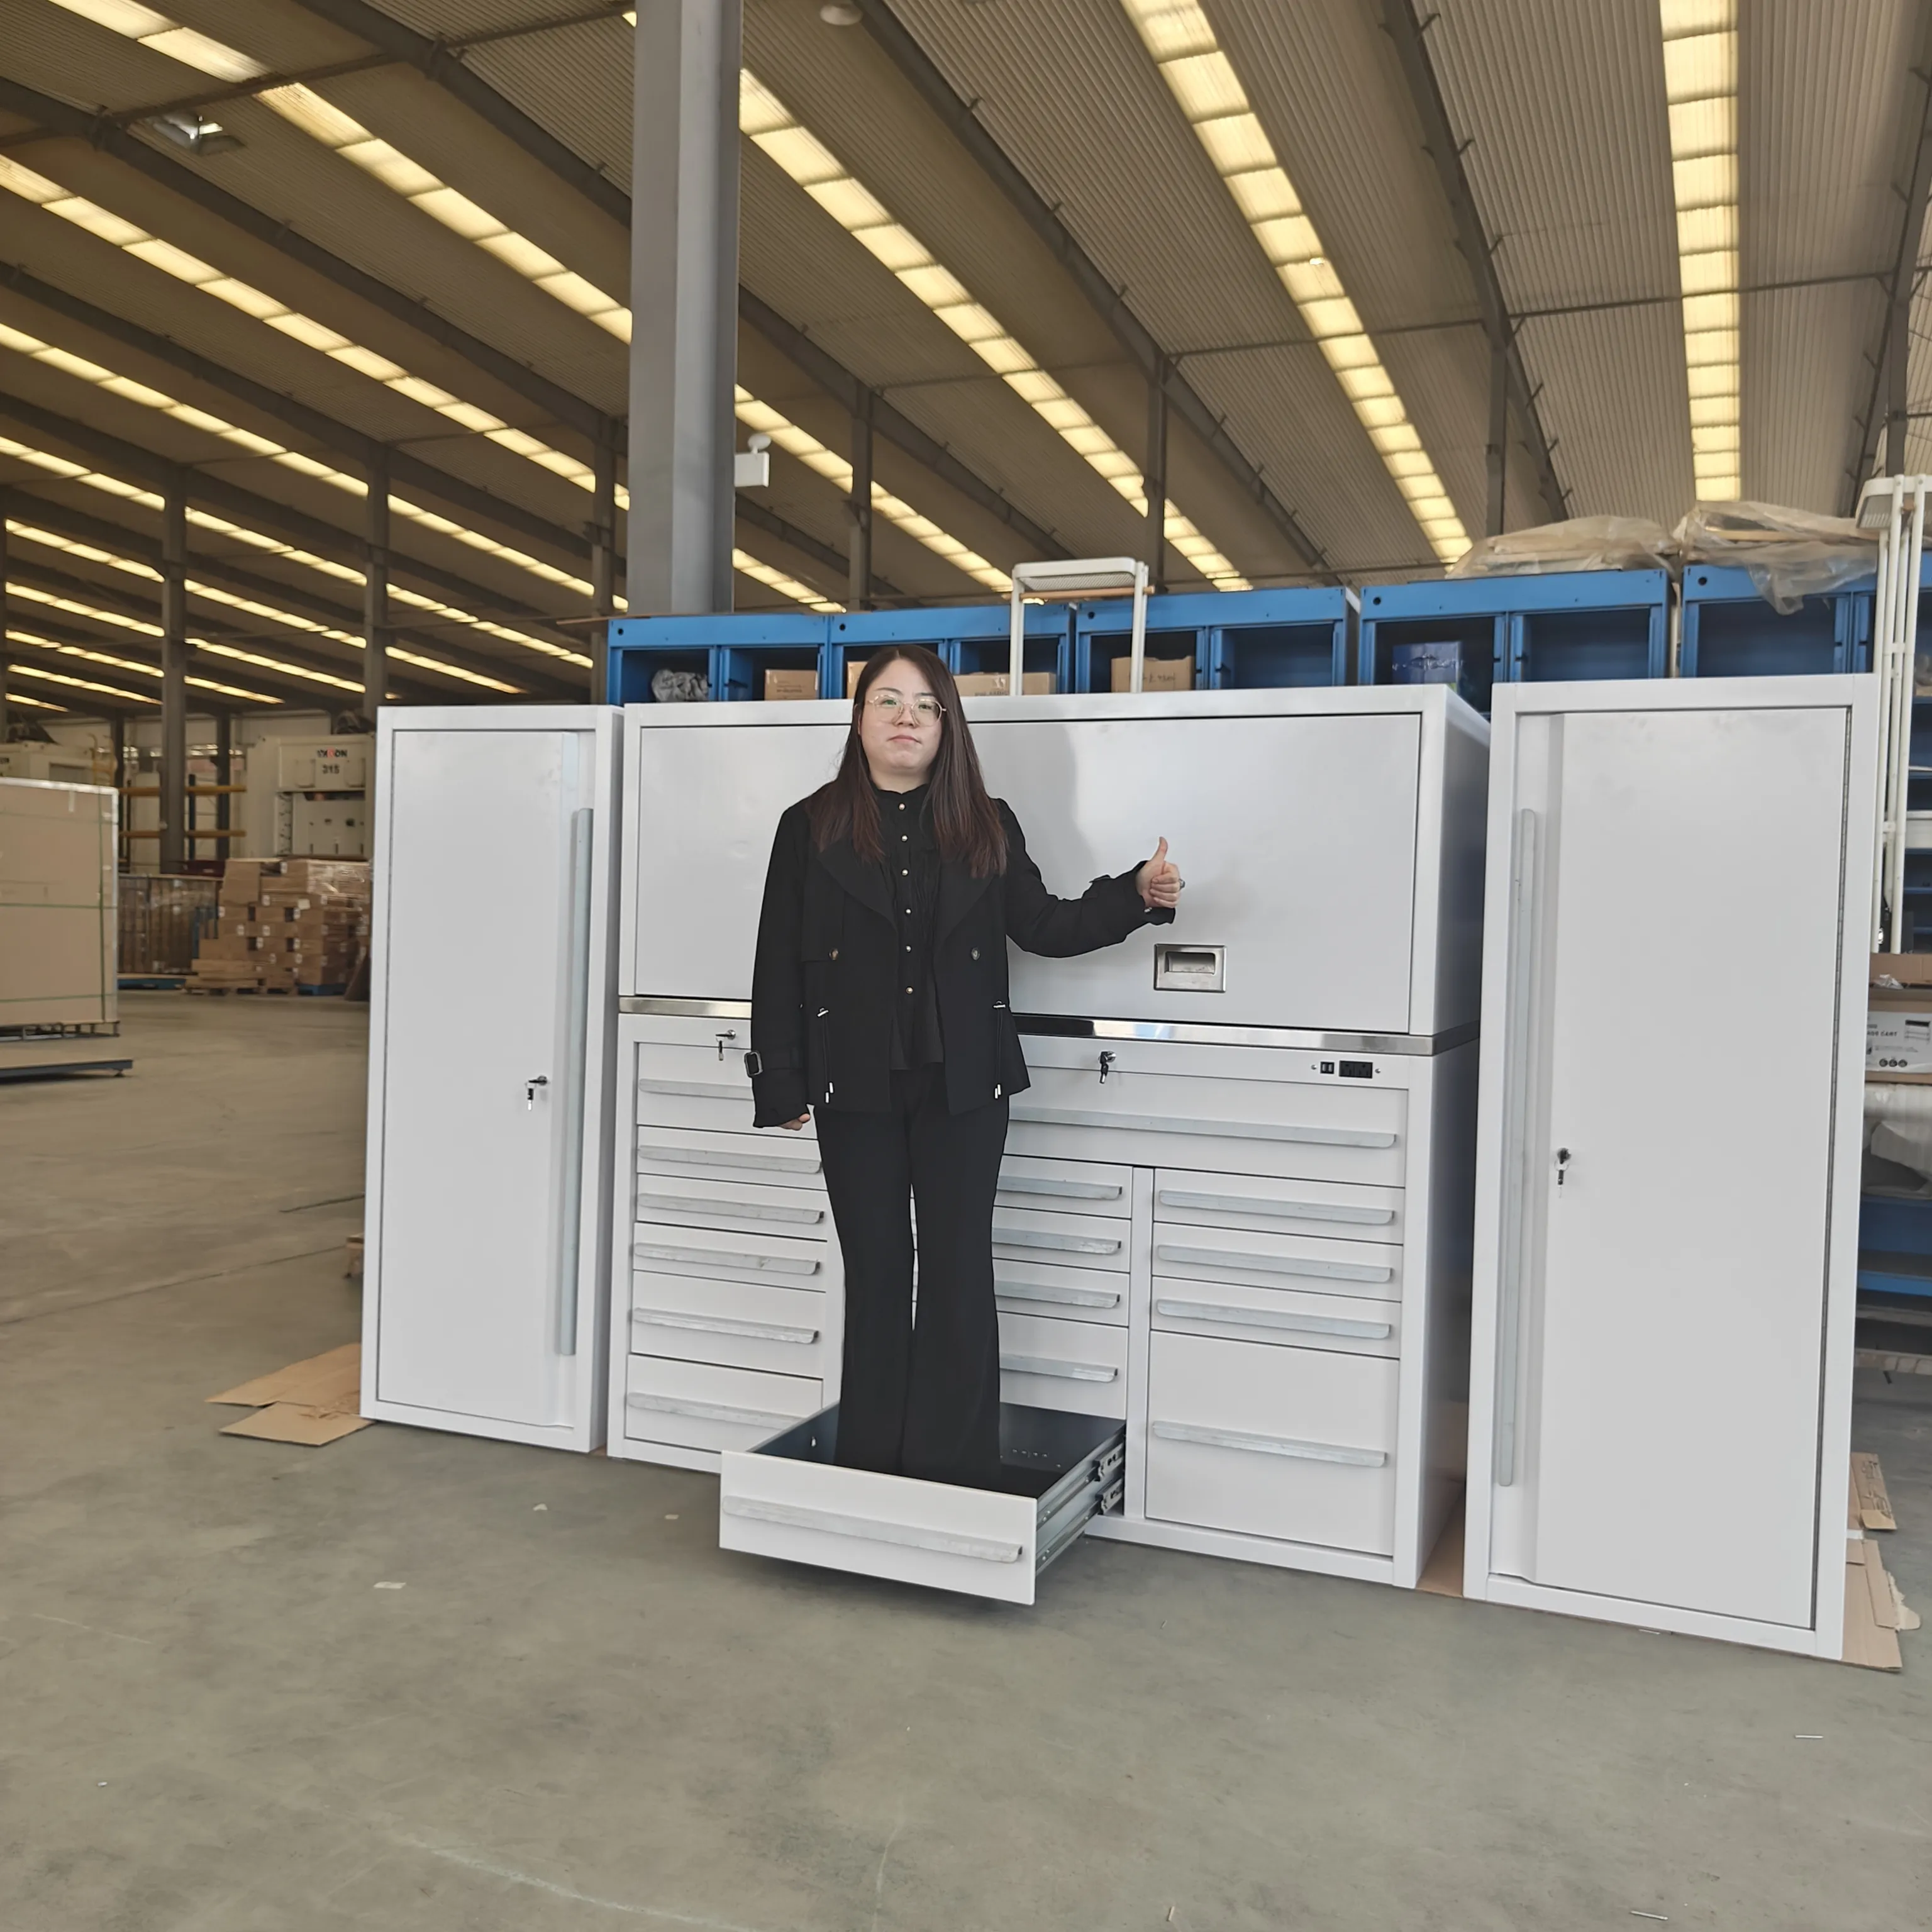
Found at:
[1231, 1239]
[490, 1055]
[1679, 888]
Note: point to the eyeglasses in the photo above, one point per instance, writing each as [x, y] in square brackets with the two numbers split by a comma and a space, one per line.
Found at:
[893, 706]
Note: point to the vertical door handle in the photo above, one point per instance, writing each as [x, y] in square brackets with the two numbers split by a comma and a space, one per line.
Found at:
[1513, 1236]
[530, 1087]
[577, 997]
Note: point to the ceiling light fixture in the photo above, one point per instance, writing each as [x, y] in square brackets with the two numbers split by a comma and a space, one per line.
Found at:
[35, 703]
[1178, 35]
[49, 195]
[302, 107]
[746, 565]
[198, 137]
[346, 481]
[138, 669]
[767, 121]
[207, 520]
[1700, 76]
[838, 472]
[14, 670]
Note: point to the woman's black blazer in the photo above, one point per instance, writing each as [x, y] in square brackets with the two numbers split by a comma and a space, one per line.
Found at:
[826, 973]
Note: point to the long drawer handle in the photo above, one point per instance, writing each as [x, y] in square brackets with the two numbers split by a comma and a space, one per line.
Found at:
[1066, 1298]
[737, 1257]
[1069, 1371]
[872, 1529]
[1274, 1263]
[703, 1089]
[1185, 1124]
[1271, 1445]
[1069, 1190]
[712, 1411]
[1007, 1236]
[765, 1163]
[1293, 1210]
[1274, 1317]
[723, 1324]
[750, 1210]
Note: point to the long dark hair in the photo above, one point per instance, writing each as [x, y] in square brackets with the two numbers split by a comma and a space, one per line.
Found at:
[965, 822]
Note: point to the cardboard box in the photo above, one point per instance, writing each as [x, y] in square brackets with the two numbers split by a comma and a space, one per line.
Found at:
[1156, 674]
[58, 917]
[1898, 1016]
[790, 685]
[993, 683]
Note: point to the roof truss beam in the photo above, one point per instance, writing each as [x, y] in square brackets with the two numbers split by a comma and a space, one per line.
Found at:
[1155, 364]
[806, 544]
[1439, 142]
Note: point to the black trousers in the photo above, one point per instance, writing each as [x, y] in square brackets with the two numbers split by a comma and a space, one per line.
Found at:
[920, 1397]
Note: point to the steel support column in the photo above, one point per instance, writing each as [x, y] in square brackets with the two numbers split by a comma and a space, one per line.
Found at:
[859, 506]
[1898, 370]
[603, 565]
[173, 800]
[1153, 479]
[684, 295]
[224, 769]
[6, 611]
[376, 594]
[1496, 456]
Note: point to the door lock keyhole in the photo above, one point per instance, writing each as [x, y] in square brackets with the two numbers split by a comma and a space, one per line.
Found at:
[1106, 1067]
[1562, 1165]
[530, 1087]
[730, 1033]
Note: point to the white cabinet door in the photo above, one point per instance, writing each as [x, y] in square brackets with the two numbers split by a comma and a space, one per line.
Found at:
[490, 1048]
[1685, 893]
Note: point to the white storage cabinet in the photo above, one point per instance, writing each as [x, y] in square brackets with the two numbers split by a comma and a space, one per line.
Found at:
[491, 1063]
[1230, 1242]
[1679, 894]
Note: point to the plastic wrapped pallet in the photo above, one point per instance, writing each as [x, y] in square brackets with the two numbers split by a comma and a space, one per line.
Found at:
[58, 932]
[1583, 543]
[286, 925]
[1790, 554]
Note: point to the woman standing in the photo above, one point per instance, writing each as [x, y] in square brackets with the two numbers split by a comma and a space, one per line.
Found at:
[879, 1001]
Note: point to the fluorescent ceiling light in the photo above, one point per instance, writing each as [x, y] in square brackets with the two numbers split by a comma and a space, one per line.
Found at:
[346, 481]
[14, 670]
[837, 471]
[207, 520]
[767, 121]
[746, 565]
[37, 703]
[302, 107]
[138, 669]
[1700, 76]
[1178, 35]
[135, 241]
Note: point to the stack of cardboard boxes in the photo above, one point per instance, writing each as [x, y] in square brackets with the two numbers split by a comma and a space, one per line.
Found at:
[286, 925]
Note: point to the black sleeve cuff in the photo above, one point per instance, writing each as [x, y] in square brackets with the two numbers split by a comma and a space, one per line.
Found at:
[778, 1098]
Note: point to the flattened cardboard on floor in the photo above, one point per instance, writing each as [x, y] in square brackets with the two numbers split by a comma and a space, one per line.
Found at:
[311, 1402]
[1868, 1642]
[1868, 1493]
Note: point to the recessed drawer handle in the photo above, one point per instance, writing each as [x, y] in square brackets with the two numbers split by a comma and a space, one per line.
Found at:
[1274, 1263]
[907, 1536]
[1068, 1372]
[1067, 1298]
[705, 1090]
[735, 1258]
[723, 1325]
[1185, 1124]
[1006, 1236]
[1069, 1190]
[1293, 1210]
[712, 1411]
[1271, 1445]
[1272, 1317]
[706, 1203]
[765, 1163]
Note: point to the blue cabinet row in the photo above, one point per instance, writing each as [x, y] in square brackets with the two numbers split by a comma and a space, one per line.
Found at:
[1473, 632]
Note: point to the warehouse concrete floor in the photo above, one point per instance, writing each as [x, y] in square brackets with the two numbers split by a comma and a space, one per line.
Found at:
[578, 1713]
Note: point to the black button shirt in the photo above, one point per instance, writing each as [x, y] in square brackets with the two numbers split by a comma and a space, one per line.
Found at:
[911, 862]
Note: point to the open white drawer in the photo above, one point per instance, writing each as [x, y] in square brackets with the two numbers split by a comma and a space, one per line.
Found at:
[788, 1497]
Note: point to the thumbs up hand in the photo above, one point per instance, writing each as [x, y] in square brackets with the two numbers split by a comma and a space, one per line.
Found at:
[1158, 881]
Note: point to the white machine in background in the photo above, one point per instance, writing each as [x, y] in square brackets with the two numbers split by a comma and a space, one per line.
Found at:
[490, 1064]
[1232, 1238]
[308, 798]
[1669, 1152]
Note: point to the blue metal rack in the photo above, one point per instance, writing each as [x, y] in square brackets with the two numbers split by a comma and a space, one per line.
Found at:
[1570, 624]
[1239, 639]
[733, 652]
[1895, 1245]
[1729, 630]
[970, 637]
